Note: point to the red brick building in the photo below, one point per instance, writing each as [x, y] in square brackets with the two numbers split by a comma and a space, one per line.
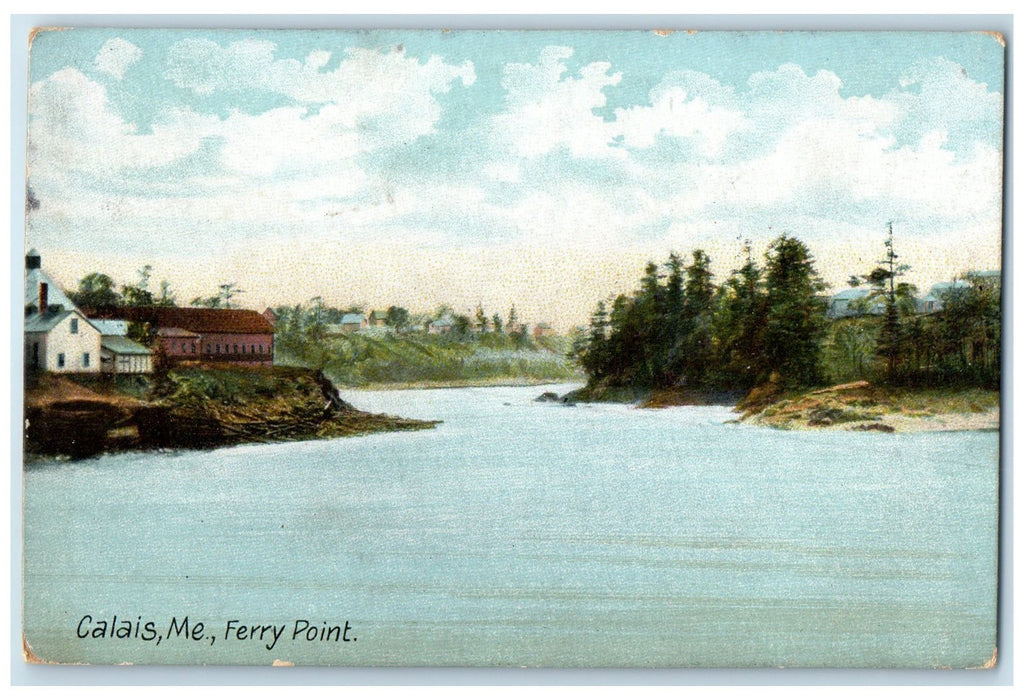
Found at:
[210, 335]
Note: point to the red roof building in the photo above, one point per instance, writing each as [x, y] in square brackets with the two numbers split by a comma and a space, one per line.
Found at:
[212, 335]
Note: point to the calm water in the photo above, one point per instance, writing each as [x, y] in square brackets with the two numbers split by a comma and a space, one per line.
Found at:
[519, 533]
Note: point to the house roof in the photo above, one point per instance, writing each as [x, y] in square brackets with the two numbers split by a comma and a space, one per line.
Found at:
[383, 315]
[55, 296]
[196, 320]
[443, 321]
[352, 318]
[44, 323]
[853, 293]
[123, 346]
[110, 326]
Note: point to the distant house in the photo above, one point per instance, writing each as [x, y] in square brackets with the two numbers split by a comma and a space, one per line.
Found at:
[241, 336]
[119, 355]
[940, 293]
[853, 302]
[378, 318]
[270, 315]
[353, 322]
[58, 337]
[986, 279]
[440, 326]
[542, 330]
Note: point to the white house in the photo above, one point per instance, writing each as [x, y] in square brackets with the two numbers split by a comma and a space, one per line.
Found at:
[853, 302]
[61, 341]
[441, 326]
[58, 338]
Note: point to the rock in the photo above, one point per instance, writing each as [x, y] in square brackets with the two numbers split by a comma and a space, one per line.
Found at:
[880, 427]
[824, 417]
[548, 397]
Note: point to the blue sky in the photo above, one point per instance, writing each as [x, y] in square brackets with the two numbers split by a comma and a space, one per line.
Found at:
[535, 168]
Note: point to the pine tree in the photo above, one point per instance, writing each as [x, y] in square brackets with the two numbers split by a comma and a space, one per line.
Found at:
[794, 316]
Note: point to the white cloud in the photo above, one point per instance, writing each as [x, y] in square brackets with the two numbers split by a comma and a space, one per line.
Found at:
[115, 56]
[365, 82]
[72, 128]
[546, 110]
[674, 113]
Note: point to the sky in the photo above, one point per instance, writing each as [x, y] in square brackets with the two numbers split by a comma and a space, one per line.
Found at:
[541, 169]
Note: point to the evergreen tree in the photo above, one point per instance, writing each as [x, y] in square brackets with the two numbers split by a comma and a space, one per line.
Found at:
[739, 323]
[794, 315]
[883, 279]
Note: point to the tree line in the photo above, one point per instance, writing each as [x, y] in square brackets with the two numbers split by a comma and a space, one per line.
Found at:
[98, 290]
[767, 323]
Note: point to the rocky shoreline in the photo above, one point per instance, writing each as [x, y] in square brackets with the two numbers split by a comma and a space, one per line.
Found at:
[193, 408]
[858, 406]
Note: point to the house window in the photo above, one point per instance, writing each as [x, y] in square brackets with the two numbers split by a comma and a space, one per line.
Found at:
[74, 325]
[261, 348]
[252, 349]
[60, 359]
[183, 348]
[236, 349]
[193, 348]
[243, 349]
[35, 354]
[218, 348]
[209, 349]
[85, 359]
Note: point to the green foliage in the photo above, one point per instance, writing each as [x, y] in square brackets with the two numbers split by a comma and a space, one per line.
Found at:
[381, 356]
[397, 317]
[794, 324]
[688, 332]
[95, 290]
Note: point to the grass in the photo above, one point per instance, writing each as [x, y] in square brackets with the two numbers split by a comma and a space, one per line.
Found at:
[375, 359]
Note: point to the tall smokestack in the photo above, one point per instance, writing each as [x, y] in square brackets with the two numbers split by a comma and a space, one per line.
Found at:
[44, 290]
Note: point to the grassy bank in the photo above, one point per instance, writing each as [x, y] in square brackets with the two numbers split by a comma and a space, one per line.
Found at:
[379, 359]
[865, 406]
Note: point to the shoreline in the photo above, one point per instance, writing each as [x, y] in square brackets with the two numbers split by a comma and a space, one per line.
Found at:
[459, 384]
[856, 406]
[191, 408]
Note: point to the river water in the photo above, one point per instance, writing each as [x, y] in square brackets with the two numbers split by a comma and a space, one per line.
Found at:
[521, 533]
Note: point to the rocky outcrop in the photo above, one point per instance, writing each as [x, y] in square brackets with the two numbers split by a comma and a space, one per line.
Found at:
[196, 408]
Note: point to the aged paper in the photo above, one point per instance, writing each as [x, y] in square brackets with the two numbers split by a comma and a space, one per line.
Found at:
[504, 348]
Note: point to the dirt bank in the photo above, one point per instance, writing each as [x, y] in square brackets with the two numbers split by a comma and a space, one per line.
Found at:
[194, 407]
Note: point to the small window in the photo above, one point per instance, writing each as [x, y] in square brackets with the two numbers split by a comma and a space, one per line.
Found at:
[85, 359]
[74, 325]
[236, 349]
[193, 348]
[209, 349]
[243, 349]
[261, 348]
[252, 349]
[218, 348]
[60, 359]
[183, 348]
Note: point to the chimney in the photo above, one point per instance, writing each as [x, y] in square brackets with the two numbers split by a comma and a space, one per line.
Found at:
[43, 297]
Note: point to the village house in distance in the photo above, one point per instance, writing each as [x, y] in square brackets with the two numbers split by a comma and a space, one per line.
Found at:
[60, 337]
